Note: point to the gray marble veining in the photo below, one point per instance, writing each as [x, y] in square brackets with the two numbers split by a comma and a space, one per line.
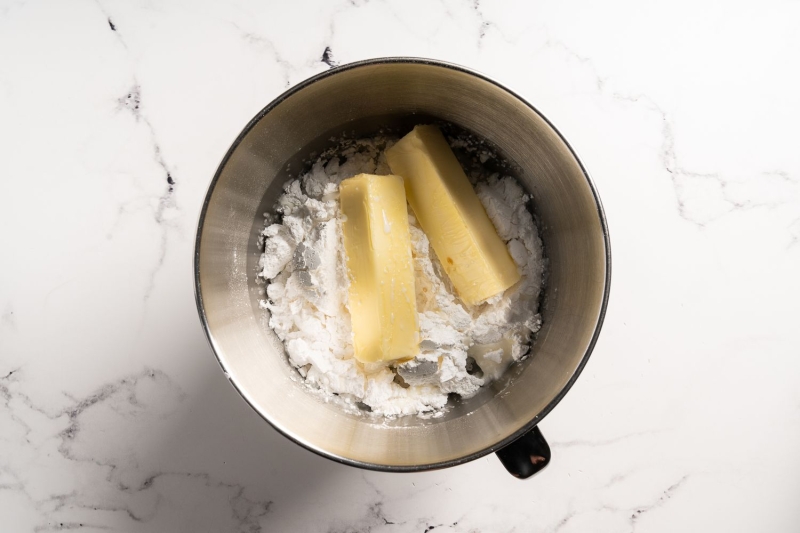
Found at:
[114, 415]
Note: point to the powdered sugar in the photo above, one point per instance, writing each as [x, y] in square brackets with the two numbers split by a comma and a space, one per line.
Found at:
[306, 294]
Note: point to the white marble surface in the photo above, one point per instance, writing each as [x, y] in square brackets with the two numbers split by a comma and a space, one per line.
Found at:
[114, 416]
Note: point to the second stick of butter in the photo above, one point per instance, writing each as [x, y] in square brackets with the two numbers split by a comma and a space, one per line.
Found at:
[377, 242]
[475, 258]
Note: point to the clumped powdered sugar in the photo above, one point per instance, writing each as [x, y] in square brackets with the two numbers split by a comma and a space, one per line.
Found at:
[462, 347]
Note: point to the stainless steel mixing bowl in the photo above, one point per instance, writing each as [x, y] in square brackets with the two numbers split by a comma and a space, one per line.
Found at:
[358, 99]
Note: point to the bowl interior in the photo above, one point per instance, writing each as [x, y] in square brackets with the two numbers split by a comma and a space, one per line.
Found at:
[359, 100]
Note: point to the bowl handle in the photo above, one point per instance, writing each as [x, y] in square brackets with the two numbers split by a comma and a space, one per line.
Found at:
[527, 455]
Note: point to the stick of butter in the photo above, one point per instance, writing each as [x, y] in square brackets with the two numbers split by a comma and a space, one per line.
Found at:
[464, 239]
[377, 243]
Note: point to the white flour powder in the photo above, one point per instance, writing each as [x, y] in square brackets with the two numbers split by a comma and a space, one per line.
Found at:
[306, 294]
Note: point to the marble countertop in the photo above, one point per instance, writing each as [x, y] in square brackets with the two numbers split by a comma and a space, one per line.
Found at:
[114, 415]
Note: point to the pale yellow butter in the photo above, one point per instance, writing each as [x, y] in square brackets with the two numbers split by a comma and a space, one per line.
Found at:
[464, 239]
[377, 242]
